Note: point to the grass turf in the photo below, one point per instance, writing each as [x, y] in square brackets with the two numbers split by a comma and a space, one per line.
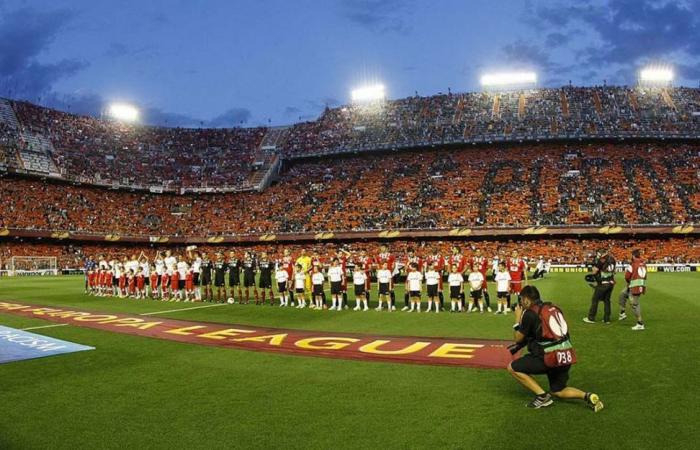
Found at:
[134, 392]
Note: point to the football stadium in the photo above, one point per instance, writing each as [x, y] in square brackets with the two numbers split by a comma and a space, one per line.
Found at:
[509, 264]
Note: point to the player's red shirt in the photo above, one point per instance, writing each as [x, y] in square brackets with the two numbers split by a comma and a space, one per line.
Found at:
[365, 263]
[132, 284]
[387, 258]
[479, 263]
[437, 261]
[140, 282]
[316, 262]
[288, 265]
[122, 281]
[458, 260]
[516, 268]
[415, 259]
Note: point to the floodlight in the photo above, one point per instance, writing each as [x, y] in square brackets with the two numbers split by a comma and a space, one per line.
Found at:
[508, 78]
[368, 93]
[124, 112]
[656, 74]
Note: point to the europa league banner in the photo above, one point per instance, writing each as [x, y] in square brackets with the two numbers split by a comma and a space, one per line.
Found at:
[467, 352]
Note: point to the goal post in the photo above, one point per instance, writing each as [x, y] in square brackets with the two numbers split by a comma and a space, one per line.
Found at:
[32, 265]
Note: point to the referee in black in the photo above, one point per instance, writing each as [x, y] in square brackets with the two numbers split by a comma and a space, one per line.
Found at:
[604, 275]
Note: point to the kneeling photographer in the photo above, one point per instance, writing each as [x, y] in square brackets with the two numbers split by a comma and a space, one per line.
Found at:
[540, 326]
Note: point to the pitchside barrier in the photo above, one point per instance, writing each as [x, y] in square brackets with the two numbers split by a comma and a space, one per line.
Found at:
[583, 268]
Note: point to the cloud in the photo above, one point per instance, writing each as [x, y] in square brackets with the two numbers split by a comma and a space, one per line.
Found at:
[554, 40]
[231, 118]
[156, 116]
[612, 39]
[24, 35]
[378, 16]
[529, 55]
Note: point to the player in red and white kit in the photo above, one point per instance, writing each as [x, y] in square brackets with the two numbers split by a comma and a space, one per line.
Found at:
[411, 258]
[384, 257]
[479, 263]
[438, 263]
[518, 276]
[287, 264]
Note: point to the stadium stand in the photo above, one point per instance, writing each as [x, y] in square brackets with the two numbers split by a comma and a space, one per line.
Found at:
[525, 185]
[489, 160]
[102, 152]
[536, 114]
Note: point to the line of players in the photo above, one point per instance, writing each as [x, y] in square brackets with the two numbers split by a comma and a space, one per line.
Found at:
[304, 281]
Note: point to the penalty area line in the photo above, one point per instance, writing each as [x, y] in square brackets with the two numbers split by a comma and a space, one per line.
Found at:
[181, 309]
[45, 326]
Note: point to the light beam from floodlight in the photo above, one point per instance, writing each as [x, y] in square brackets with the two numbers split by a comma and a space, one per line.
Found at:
[368, 93]
[656, 74]
[508, 78]
[124, 112]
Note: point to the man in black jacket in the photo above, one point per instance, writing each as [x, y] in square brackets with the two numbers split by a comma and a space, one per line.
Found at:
[604, 273]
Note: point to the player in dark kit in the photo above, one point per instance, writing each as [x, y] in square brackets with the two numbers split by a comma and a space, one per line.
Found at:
[604, 274]
[266, 268]
[249, 277]
[205, 278]
[220, 267]
[542, 328]
[234, 275]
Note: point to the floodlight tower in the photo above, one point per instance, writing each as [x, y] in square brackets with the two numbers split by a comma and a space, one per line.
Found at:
[656, 76]
[508, 80]
[123, 112]
[368, 94]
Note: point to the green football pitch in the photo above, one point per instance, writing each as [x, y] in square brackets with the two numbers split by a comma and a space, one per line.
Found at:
[137, 392]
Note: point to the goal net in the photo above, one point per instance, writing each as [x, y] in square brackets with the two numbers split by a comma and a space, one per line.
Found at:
[32, 265]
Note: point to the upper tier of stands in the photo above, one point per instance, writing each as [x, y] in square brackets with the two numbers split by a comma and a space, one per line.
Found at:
[541, 114]
[95, 151]
[109, 153]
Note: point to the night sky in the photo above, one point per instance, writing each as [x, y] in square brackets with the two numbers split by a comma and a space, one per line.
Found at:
[225, 63]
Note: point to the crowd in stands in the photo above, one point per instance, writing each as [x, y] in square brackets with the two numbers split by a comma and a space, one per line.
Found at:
[98, 151]
[8, 145]
[495, 186]
[558, 251]
[451, 118]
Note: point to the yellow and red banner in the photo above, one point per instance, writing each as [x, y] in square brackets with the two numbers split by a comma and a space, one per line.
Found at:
[483, 353]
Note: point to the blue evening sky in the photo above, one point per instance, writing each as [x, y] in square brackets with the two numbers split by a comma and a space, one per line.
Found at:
[222, 63]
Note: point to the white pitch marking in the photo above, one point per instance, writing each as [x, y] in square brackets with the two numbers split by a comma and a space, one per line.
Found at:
[181, 309]
[45, 326]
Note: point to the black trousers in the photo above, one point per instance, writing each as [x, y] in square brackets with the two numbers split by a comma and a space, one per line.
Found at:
[601, 293]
